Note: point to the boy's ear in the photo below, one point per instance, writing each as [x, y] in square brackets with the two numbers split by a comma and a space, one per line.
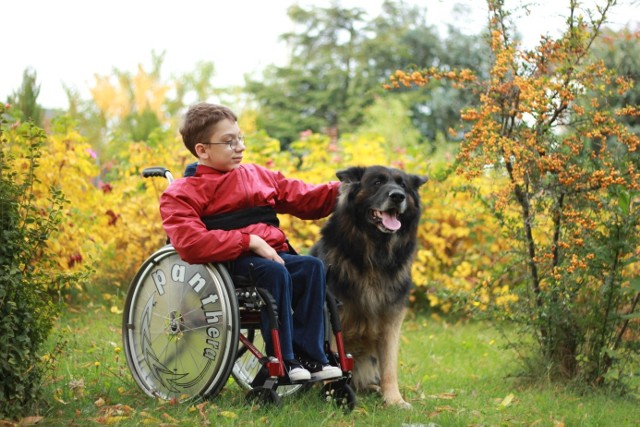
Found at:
[200, 149]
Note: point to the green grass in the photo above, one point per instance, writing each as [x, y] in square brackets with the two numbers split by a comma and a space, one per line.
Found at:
[453, 375]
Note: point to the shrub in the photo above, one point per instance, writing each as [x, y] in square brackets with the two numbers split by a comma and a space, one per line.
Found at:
[26, 272]
[570, 195]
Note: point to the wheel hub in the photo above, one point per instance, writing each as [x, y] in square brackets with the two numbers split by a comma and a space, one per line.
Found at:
[175, 323]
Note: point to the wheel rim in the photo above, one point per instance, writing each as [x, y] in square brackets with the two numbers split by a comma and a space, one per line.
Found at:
[178, 328]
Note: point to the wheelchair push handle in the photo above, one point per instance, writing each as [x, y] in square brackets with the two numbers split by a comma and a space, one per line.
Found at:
[158, 171]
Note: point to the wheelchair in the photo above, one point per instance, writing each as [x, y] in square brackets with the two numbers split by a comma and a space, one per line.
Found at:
[187, 328]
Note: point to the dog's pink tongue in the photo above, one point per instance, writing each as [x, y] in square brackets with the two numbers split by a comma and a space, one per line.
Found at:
[390, 221]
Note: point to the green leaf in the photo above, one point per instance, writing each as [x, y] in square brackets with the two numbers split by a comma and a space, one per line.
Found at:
[624, 202]
[630, 316]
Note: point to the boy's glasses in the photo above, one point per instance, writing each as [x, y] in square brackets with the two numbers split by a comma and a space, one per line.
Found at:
[232, 143]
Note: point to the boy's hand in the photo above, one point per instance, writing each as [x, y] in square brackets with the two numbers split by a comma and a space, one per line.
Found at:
[261, 248]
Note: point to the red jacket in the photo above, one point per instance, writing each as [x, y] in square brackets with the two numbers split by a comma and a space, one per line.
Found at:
[211, 192]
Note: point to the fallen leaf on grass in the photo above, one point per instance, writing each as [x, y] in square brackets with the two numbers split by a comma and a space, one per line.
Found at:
[229, 414]
[440, 409]
[444, 396]
[201, 409]
[507, 400]
[172, 402]
[118, 410]
[149, 419]
[57, 396]
[169, 418]
[29, 421]
[110, 419]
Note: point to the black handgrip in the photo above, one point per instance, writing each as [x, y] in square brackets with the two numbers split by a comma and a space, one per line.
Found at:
[155, 171]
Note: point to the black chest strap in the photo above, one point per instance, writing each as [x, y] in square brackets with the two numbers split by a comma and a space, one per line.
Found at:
[240, 219]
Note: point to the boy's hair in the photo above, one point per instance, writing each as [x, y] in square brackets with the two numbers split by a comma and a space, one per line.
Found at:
[200, 121]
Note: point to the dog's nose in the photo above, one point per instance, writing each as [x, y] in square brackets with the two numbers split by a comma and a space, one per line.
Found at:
[397, 196]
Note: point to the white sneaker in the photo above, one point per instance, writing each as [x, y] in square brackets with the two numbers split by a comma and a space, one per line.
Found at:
[296, 372]
[327, 372]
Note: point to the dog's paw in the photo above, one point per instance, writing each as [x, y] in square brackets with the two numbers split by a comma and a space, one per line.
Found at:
[373, 388]
[405, 405]
[398, 403]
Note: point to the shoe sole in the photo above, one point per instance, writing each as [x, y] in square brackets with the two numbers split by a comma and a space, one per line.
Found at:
[320, 377]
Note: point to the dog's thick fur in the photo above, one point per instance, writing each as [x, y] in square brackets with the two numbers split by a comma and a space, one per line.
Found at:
[369, 243]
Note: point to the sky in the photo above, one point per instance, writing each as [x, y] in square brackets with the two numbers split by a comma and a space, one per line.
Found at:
[68, 42]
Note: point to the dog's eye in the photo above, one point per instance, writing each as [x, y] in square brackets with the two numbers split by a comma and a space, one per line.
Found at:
[379, 180]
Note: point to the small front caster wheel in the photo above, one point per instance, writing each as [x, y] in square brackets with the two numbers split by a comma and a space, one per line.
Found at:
[341, 394]
[263, 397]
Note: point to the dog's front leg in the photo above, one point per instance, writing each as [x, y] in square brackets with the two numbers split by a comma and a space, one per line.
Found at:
[388, 349]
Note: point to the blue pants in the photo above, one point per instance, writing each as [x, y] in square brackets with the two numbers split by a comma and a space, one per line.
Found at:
[299, 289]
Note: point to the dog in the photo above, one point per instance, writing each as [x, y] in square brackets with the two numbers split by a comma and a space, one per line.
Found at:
[368, 244]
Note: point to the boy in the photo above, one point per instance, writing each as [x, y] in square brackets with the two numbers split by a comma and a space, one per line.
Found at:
[238, 203]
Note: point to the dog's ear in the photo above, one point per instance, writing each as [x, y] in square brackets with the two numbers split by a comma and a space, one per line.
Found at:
[418, 180]
[351, 175]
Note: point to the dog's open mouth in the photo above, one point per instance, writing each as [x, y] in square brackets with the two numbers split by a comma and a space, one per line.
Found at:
[386, 221]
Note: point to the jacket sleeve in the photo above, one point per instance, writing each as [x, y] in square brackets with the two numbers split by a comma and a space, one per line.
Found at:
[305, 201]
[189, 236]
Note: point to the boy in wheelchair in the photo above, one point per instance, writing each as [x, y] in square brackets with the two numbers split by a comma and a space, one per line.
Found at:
[226, 212]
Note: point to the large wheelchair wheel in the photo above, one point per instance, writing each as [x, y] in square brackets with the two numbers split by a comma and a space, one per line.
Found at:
[180, 327]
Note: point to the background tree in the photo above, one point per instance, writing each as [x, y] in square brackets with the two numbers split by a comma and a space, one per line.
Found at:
[339, 61]
[403, 37]
[24, 101]
[130, 107]
[438, 110]
[390, 118]
[315, 90]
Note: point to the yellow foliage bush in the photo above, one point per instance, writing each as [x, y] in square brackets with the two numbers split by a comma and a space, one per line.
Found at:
[66, 165]
[113, 226]
[110, 227]
[463, 255]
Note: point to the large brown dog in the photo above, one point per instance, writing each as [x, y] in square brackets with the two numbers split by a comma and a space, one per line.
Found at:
[369, 243]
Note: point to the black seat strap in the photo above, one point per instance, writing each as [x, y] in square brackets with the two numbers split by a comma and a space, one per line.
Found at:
[240, 219]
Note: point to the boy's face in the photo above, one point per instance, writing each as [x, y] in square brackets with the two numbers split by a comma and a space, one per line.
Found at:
[224, 149]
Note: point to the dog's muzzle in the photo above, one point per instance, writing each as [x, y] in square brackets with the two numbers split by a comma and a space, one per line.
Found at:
[386, 217]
